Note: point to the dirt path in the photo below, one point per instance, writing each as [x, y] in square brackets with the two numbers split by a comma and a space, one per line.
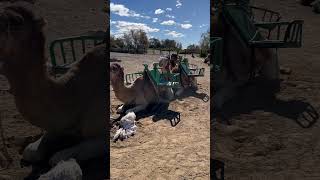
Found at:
[159, 151]
[64, 18]
[265, 141]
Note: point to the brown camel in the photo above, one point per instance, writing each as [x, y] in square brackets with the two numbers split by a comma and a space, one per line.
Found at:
[71, 107]
[140, 94]
[236, 69]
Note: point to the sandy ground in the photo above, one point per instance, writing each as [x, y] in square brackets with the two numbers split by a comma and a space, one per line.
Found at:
[64, 18]
[265, 141]
[158, 150]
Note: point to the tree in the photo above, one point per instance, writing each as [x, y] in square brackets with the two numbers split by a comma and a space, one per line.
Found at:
[116, 42]
[127, 40]
[204, 44]
[154, 43]
[193, 48]
[205, 41]
[179, 46]
[169, 44]
[137, 40]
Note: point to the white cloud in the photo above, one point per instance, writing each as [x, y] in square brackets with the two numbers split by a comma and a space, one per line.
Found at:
[154, 20]
[168, 23]
[203, 25]
[112, 22]
[174, 34]
[169, 16]
[169, 9]
[179, 4]
[124, 27]
[186, 26]
[158, 11]
[186, 21]
[121, 10]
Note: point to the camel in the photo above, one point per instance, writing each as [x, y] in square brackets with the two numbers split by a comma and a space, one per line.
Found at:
[71, 109]
[141, 93]
[236, 70]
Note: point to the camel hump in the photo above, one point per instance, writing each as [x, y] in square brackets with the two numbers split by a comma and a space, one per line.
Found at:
[89, 74]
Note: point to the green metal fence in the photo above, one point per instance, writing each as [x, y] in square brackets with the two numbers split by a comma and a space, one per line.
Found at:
[65, 51]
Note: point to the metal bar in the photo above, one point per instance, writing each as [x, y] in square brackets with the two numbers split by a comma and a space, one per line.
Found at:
[62, 52]
[264, 15]
[83, 46]
[73, 50]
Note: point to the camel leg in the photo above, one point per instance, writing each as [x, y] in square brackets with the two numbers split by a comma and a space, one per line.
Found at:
[270, 70]
[170, 94]
[223, 96]
[226, 93]
[85, 150]
[137, 108]
[180, 91]
[38, 151]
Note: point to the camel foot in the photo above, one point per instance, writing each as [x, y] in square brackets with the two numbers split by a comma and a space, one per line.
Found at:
[179, 92]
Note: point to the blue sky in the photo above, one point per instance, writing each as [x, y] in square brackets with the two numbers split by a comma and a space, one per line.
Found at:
[181, 20]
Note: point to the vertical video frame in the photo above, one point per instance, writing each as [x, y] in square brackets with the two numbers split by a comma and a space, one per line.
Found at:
[265, 89]
[53, 81]
[159, 89]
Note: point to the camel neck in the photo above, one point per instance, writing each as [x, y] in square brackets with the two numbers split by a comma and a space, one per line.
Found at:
[120, 90]
[29, 78]
[118, 85]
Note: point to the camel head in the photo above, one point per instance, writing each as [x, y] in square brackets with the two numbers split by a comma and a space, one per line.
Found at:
[116, 73]
[20, 34]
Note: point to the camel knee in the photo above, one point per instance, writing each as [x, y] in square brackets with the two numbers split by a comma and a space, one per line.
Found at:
[179, 92]
[137, 108]
[170, 93]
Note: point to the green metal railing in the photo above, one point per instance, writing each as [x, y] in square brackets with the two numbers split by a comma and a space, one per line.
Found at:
[162, 79]
[190, 69]
[130, 78]
[67, 48]
[280, 34]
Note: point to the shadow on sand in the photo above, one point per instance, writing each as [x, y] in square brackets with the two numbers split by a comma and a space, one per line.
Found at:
[161, 110]
[193, 93]
[260, 97]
